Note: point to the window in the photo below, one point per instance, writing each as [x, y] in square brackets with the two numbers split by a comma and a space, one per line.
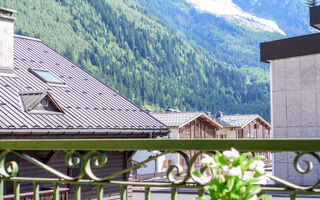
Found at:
[46, 76]
[45, 102]
[256, 126]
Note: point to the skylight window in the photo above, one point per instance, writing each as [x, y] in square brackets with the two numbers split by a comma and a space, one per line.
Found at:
[46, 76]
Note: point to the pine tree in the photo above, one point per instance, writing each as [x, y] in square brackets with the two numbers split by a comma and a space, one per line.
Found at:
[312, 3]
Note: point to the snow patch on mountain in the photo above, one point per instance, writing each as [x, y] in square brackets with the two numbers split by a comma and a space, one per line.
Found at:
[233, 13]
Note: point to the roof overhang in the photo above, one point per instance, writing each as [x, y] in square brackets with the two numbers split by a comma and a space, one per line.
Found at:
[295, 46]
[205, 117]
[260, 119]
[290, 47]
[83, 131]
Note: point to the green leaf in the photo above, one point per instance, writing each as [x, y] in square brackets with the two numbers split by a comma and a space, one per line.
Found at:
[221, 160]
[236, 162]
[200, 198]
[245, 155]
[197, 173]
[264, 196]
[258, 157]
[255, 190]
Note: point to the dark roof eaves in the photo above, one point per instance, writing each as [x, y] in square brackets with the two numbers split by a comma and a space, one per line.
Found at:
[290, 47]
[49, 131]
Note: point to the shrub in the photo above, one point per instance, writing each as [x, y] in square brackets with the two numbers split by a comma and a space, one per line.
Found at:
[235, 176]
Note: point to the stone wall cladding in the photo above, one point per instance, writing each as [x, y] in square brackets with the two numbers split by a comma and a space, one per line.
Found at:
[6, 43]
[295, 95]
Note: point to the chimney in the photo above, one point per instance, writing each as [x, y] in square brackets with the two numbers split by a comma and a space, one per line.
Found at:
[6, 41]
[219, 114]
[315, 16]
[149, 111]
[170, 110]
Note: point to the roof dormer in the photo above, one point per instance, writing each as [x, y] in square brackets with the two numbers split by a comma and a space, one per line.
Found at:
[39, 102]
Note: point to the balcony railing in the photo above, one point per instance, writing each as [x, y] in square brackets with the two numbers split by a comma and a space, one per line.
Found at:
[85, 155]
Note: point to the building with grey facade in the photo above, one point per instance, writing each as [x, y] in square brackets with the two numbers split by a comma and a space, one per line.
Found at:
[295, 96]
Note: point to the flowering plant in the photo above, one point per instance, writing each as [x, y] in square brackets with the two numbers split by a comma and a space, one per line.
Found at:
[234, 176]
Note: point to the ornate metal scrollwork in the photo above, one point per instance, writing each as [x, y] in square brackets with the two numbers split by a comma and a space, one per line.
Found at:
[73, 159]
[176, 174]
[95, 159]
[85, 161]
[203, 178]
[179, 171]
[8, 169]
[298, 168]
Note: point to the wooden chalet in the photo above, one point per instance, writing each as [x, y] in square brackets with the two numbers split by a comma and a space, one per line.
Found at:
[185, 125]
[243, 127]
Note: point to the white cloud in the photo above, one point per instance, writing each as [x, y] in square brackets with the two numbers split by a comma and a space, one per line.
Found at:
[230, 11]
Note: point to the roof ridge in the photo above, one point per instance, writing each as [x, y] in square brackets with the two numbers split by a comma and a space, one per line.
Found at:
[179, 112]
[28, 38]
[33, 91]
[241, 115]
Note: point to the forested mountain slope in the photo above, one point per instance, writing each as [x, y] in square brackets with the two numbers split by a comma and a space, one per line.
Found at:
[220, 38]
[138, 52]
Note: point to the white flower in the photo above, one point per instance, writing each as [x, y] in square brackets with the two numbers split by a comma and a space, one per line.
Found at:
[235, 171]
[208, 161]
[260, 170]
[257, 166]
[231, 154]
[232, 171]
[225, 170]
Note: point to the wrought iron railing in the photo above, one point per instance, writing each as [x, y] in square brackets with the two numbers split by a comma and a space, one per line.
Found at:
[89, 154]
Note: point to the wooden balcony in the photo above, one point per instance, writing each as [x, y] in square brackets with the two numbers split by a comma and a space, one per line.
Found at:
[43, 195]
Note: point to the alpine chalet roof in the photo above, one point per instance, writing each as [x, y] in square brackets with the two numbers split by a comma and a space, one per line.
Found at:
[236, 121]
[179, 119]
[86, 102]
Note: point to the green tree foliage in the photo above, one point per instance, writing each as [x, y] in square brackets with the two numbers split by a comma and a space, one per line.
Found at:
[135, 53]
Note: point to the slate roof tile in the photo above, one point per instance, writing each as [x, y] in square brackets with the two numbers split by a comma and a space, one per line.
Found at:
[238, 121]
[178, 119]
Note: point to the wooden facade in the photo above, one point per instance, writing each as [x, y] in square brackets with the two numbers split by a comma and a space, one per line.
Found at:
[254, 129]
[199, 128]
[117, 161]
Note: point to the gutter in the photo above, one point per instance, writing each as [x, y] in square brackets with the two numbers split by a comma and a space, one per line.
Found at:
[84, 131]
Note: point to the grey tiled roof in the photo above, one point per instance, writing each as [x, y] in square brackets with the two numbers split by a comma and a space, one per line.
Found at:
[223, 123]
[86, 102]
[236, 120]
[178, 119]
[175, 119]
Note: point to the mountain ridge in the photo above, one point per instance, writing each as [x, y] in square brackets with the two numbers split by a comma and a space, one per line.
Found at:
[230, 11]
